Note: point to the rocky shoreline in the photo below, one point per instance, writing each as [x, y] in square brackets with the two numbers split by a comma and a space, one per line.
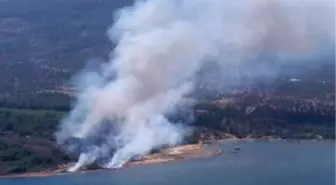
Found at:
[179, 153]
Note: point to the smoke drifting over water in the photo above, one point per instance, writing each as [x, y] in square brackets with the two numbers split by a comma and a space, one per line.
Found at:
[160, 46]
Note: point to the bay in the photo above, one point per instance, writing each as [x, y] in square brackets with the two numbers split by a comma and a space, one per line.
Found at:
[241, 163]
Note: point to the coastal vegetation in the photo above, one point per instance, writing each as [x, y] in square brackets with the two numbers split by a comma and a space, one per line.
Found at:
[38, 57]
[27, 129]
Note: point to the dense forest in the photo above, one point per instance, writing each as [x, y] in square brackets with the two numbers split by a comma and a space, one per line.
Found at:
[27, 127]
[26, 140]
[45, 101]
[38, 58]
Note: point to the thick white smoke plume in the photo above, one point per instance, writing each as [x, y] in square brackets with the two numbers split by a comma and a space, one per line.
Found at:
[160, 45]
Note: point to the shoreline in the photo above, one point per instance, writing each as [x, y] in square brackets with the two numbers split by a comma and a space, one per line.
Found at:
[184, 152]
[179, 153]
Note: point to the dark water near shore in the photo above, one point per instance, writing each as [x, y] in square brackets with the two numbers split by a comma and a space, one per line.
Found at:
[256, 163]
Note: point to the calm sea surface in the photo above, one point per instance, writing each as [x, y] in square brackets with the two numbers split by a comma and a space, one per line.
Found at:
[256, 163]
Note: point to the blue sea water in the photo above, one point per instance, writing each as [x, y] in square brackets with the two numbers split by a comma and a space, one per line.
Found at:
[256, 163]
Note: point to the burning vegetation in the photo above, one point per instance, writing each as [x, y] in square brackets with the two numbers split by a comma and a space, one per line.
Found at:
[182, 72]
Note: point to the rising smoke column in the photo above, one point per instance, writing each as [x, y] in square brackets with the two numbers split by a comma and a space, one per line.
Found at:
[160, 46]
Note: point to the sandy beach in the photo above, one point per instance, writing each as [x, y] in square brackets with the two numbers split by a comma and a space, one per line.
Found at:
[167, 155]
